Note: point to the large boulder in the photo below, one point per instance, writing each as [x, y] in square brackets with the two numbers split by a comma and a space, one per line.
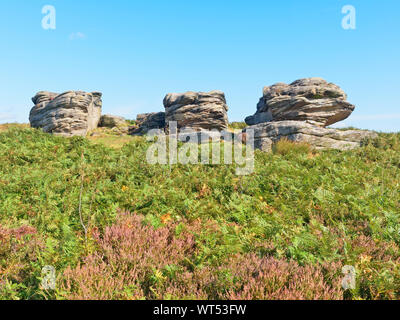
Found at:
[267, 133]
[110, 121]
[197, 110]
[148, 121]
[72, 113]
[313, 100]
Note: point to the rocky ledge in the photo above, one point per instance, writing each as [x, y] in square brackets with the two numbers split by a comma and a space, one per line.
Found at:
[268, 133]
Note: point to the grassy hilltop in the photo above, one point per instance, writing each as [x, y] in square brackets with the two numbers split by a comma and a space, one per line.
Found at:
[116, 227]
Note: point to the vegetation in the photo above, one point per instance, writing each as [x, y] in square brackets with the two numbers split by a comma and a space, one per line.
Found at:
[237, 125]
[116, 227]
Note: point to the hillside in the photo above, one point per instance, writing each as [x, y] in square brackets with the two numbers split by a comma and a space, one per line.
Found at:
[116, 227]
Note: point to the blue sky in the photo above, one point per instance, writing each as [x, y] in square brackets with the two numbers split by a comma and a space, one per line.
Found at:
[136, 52]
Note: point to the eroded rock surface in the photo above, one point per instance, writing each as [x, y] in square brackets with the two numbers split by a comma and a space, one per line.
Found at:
[148, 121]
[313, 100]
[73, 113]
[197, 110]
[266, 134]
[110, 121]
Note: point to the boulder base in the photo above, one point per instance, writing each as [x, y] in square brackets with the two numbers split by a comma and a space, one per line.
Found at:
[266, 134]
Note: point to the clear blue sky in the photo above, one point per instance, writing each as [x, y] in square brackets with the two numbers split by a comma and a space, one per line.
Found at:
[135, 52]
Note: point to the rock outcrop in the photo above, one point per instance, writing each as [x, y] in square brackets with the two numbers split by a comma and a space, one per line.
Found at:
[313, 100]
[266, 134]
[301, 112]
[73, 113]
[197, 110]
[148, 121]
[110, 121]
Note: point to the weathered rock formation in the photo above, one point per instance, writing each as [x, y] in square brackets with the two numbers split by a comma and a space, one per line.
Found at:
[313, 100]
[300, 112]
[267, 133]
[110, 121]
[148, 121]
[197, 110]
[72, 113]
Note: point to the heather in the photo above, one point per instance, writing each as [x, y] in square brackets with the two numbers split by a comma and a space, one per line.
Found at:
[116, 227]
[137, 261]
[18, 255]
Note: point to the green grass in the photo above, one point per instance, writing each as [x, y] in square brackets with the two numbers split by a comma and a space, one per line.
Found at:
[7, 126]
[237, 125]
[112, 141]
[311, 207]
